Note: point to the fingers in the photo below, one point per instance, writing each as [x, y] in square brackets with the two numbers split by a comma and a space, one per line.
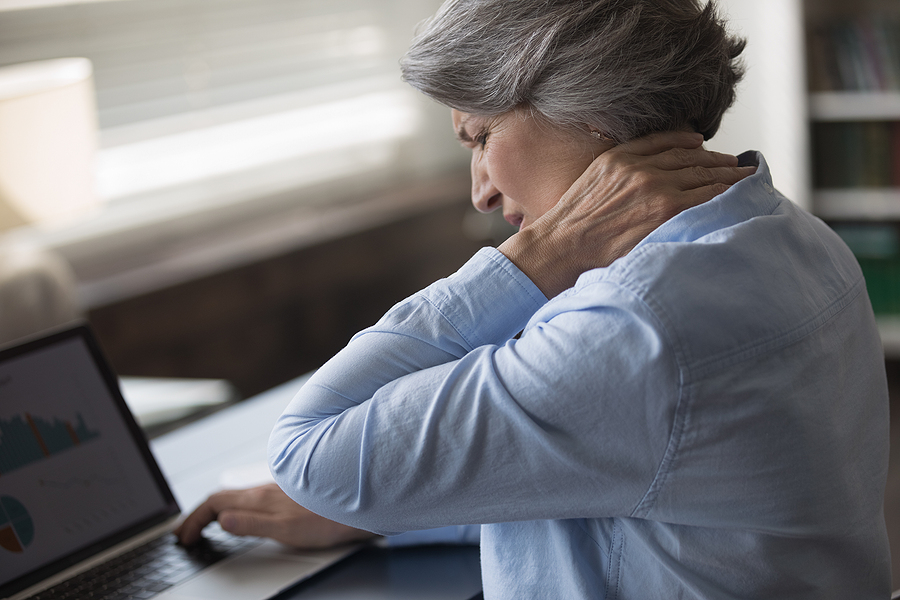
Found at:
[656, 143]
[699, 177]
[680, 158]
[253, 499]
[188, 532]
[242, 522]
[290, 524]
[676, 150]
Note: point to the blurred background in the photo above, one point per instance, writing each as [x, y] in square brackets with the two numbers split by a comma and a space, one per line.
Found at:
[229, 189]
[263, 183]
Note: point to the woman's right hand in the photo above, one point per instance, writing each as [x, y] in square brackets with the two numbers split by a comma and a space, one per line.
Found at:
[266, 511]
[626, 193]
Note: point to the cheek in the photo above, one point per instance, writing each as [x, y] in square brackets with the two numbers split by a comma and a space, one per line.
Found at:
[563, 175]
[536, 180]
[520, 174]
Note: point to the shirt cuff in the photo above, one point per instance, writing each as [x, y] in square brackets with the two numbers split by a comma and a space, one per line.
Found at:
[488, 300]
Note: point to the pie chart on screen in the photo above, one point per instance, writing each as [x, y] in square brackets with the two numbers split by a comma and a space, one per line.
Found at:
[16, 526]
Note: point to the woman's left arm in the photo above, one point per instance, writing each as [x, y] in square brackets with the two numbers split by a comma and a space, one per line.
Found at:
[395, 433]
[379, 401]
[435, 416]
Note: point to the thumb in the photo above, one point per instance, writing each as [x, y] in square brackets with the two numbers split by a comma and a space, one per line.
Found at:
[242, 522]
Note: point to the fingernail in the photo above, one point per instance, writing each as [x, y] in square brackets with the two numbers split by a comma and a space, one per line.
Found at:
[227, 522]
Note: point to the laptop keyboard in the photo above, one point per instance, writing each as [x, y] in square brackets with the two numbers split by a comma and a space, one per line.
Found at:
[147, 570]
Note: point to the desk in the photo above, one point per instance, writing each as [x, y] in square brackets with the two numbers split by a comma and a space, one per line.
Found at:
[195, 457]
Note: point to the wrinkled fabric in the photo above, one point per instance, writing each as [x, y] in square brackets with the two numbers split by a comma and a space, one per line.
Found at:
[705, 418]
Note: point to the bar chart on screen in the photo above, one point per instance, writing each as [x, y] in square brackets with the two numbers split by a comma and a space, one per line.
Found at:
[26, 438]
[16, 526]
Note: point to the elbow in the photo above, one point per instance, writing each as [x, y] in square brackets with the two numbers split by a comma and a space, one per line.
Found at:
[302, 462]
[282, 458]
[289, 456]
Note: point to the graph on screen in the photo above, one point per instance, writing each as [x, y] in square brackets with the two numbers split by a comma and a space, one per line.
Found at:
[25, 439]
[16, 526]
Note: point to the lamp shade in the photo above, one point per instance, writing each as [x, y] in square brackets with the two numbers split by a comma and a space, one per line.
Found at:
[48, 138]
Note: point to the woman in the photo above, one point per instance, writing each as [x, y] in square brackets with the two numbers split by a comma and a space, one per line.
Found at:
[640, 394]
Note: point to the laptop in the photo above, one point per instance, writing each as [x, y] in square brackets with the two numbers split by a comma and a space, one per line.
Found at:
[83, 503]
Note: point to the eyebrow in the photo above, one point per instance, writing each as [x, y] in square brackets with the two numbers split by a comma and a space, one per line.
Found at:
[461, 134]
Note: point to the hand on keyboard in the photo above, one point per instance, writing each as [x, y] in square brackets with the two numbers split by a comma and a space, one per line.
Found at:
[266, 511]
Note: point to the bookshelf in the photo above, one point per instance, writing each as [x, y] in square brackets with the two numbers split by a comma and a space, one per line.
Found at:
[854, 106]
[856, 154]
[853, 72]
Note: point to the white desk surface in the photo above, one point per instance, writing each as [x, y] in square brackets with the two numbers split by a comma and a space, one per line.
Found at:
[195, 457]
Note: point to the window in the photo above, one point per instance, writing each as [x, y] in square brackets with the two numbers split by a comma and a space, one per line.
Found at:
[228, 127]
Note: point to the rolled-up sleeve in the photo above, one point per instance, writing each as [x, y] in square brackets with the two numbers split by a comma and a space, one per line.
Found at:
[437, 416]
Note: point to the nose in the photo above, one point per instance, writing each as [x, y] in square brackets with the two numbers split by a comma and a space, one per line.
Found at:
[485, 197]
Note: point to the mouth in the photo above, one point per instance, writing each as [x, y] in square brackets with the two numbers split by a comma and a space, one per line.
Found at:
[514, 219]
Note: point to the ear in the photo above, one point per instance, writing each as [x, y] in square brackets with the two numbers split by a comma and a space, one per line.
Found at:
[599, 135]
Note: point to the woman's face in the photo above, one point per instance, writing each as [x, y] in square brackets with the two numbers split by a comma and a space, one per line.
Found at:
[522, 164]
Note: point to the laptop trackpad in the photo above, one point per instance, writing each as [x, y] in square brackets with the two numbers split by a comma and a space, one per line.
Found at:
[259, 573]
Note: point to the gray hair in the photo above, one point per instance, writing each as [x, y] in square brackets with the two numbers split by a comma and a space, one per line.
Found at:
[623, 67]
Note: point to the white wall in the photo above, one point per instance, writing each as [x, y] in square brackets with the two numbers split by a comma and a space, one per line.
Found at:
[770, 114]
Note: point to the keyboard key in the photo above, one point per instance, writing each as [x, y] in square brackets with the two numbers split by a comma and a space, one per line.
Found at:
[143, 572]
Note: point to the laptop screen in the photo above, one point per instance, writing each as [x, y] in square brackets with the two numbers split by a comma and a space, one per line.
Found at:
[75, 472]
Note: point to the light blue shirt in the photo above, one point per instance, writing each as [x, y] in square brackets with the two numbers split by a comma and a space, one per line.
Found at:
[705, 418]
